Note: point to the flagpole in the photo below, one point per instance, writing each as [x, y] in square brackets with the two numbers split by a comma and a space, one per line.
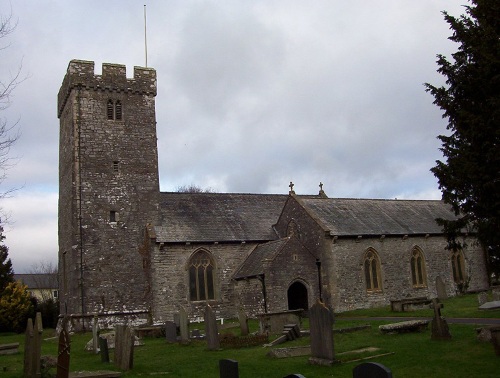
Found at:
[145, 37]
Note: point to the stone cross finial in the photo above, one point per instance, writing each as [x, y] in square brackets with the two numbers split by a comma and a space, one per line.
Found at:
[320, 186]
[291, 188]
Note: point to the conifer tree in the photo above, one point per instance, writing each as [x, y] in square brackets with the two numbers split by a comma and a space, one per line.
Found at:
[469, 176]
[6, 272]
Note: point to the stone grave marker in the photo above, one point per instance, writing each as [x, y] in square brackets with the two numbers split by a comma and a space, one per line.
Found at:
[170, 332]
[482, 298]
[28, 349]
[104, 349]
[371, 370]
[441, 288]
[63, 353]
[439, 326]
[321, 326]
[495, 294]
[36, 352]
[228, 369]
[243, 319]
[95, 334]
[184, 325]
[211, 330]
[295, 376]
[124, 347]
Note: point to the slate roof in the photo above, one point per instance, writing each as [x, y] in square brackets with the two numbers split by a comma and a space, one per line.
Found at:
[252, 266]
[351, 217]
[209, 217]
[38, 281]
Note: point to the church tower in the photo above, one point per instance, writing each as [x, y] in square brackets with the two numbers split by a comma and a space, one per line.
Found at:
[108, 188]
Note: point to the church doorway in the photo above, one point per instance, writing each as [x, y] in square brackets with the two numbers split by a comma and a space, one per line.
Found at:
[297, 297]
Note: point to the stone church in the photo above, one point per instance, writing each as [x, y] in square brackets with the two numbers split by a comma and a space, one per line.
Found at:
[130, 252]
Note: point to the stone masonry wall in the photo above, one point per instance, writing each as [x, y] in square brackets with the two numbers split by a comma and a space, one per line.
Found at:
[106, 166]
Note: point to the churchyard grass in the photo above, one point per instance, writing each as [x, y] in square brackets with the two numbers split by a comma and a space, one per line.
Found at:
[414, 354]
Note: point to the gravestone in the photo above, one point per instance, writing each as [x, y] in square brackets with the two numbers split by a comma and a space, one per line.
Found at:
[228, 369]
[441, 288]
[321, 326]
[495, 294]
[28, 349]
[482, 298]
[37, 345]
[95, 334]
[124, 347]
[211, 330]
[104, 349]
[243, 319]
[439, 326]
[184, 325]
[170, 332]
[295, 376]
[63, 353]
[371, 370]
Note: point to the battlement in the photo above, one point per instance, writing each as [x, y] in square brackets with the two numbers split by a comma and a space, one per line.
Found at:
[81, 74]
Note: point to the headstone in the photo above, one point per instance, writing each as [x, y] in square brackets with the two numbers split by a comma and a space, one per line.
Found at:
[228, 369]
[63, 353]
[321, 326]
[28, 349]
[95, 334]
[295, 376]
[441, 288]
[440, 330]
[495, 339]
[170, 332]
[243, 319]
[211, 330]
[495, 294]
[124, 347]
[196, 334]
[184, 325]
[37, 345]
[482, 298]
[104, 349]
[371, 370]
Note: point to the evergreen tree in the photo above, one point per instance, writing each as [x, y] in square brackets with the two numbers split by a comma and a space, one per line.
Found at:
[469, 178]
[6, 272]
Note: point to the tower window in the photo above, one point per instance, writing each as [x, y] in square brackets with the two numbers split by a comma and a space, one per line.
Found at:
[114, 110]
[113, 216]
[116, 166]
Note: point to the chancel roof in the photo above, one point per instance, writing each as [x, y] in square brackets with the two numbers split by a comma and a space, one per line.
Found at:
[252, 266]
[209, 217]
[351, 217]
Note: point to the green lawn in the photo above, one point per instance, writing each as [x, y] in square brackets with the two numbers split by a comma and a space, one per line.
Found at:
[412, 355]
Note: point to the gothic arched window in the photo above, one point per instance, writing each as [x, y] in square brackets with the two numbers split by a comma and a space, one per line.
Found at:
[458, 267]
[418, 273]
[372, 271]
[201, 277]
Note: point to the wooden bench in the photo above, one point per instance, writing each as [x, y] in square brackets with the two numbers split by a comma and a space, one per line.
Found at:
[9, 348]
[409, 304]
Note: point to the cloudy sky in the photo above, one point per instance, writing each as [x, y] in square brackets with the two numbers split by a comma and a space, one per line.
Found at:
[251, 95]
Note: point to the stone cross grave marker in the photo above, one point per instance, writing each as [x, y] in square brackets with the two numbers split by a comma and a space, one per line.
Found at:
[28, 349]
[95, 334]
[440, 330]
[228, 369]
[243, 319]
[441, 288]
[170, 332]
[63, 353]
[321, 326]
[184, 325]
[371, 370]
[211, 331]
[124, 347]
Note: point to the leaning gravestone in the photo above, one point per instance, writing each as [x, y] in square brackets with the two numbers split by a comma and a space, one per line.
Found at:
[371, 370]
[439, 326]
[441, 288]
[124, 347]
[95, 334]
[170, 332]
[321, 326]
[184, 325]
[243, 319]
[228, 369]
[63, 353]
[211, 331]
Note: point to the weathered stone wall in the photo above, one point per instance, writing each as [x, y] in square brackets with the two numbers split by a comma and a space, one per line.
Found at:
[106, 166]
[170, 279]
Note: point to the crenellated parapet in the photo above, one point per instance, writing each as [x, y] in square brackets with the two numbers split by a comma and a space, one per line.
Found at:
[80, 74]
